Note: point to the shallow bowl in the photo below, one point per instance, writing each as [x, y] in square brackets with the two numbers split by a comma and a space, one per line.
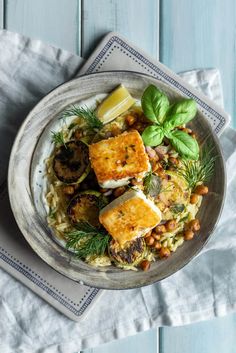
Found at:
[26, 183]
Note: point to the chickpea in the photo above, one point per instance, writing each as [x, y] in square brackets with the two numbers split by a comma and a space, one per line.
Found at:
[68, 190]
[188, 234]
[164, 252]
[115, 130]
[173, 161]
[130, 119]
[160, 229]
[145, 265]
[201, 190]
[78, 134]
[156, 236]
[188, 131]
[194, 225]
[161, 173]
[148, 234]
[149, 240]
[171, 225]
[194, 199]
[119, 191]
[157, 245]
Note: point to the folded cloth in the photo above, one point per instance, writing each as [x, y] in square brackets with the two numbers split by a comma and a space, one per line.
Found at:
[205, 288]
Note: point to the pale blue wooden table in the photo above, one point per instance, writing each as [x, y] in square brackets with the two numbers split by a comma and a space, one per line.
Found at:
[183, 34]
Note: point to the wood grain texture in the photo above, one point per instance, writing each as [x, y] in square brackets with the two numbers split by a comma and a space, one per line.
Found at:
[54, 21]
[201, 34]
[137, 20]
[195, 34]
[145, 342]
[1, 14]
[211, 336]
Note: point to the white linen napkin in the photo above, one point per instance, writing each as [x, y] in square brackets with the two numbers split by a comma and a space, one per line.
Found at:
[202, 290]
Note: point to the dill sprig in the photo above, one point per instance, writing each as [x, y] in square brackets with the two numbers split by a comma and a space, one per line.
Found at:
[58, 138]
[200, 171]
[87, 114]
[87, 240]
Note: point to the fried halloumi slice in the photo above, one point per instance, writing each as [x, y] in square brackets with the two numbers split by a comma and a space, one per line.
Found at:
[129, 216]
[118, 159]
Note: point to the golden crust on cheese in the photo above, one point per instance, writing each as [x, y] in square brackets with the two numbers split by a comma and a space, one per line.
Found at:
[119, 157]
[129, 216]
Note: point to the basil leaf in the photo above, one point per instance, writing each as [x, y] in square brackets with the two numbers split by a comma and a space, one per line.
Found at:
[154, 104]
[152, 185]
[184, 144]
[152, 135]
[180, 113]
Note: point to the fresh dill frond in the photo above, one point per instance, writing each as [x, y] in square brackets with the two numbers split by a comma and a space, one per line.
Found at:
[200, 171]
[86, 113]
[87, 240]
[58, 138]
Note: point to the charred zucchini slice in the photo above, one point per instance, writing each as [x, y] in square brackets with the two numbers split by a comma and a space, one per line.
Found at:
[85, 207]
[131, 254]
[71, 162]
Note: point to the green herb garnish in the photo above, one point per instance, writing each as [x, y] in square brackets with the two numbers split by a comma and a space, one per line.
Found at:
[154, 104]
[166, 119]
[152, 184]
[87, 114]
[177, 208]
[52, 213]
[71, 126]
[58, 138]
[87, 240]
[184, 218]
[201, 171]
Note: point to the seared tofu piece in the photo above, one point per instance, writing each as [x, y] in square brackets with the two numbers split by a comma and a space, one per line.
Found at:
[129, 216]
[118, 159]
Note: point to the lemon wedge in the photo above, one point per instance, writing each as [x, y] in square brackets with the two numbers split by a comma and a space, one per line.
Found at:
[115, 104]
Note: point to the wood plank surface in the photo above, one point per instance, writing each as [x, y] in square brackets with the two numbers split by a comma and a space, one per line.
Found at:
[145, 342]
[201, 34]
[192, 34]
[54, 21]
[137, 20]
[217, 335]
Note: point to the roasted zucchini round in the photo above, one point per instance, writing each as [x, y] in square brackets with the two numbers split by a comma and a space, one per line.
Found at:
[131, 254]
[85, 207]
[71, 162]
